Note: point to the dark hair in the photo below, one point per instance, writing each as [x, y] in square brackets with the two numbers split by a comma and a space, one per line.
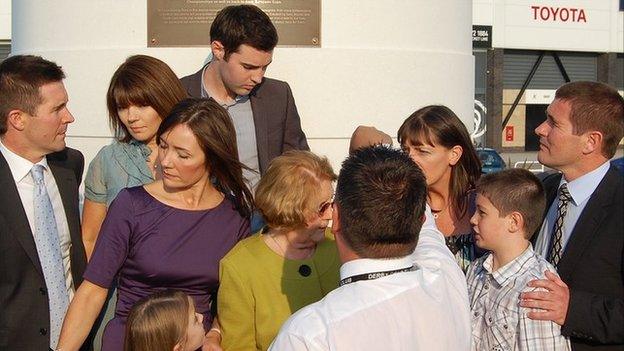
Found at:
[595, 106]
[243, 24]
[21, 76]
[515, 189]
[436, 124]
[141, 81]
[158, 322]
[215, 133]
[381, 195]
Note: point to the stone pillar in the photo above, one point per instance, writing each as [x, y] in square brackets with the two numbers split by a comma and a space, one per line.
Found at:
[606, 68]
[494, 99]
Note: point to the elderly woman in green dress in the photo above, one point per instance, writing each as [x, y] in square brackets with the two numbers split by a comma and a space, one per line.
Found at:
[293, 262]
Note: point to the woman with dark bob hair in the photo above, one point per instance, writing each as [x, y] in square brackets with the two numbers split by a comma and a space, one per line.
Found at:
[142, 92]
[437, 140]
[169, 234]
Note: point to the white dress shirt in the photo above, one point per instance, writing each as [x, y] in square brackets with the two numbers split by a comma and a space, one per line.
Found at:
[580, 190]
[424, 309]
[20, 169]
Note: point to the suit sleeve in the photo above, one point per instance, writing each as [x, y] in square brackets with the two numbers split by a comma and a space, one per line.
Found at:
[598, 316]
[236, 310]
[294, 137]
[595, 318]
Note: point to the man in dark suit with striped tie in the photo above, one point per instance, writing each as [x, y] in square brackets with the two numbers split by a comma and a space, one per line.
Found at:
[42, 257]
[583, 230]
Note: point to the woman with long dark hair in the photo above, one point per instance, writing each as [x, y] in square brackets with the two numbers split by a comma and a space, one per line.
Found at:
[170, 233]
[437, 140]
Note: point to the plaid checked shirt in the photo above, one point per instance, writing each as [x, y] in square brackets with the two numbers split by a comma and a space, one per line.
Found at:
[498, 323]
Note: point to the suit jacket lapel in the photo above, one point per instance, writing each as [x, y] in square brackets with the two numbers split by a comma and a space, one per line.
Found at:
[13, 212]
[551, 185]
[262, 129]
[67, 187]
[586, 228]
[194, 86]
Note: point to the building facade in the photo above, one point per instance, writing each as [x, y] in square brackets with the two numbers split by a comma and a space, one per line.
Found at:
[525, 49]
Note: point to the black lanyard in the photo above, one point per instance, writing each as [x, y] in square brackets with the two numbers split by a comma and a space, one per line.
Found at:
[375, 275]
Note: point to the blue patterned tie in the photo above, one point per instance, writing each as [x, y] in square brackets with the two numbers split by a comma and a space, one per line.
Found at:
[49, 250]
[556, 248]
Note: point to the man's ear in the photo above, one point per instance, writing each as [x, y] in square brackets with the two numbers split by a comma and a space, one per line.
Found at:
[456, 153]
[16, 119]
[218, 50]
[593, 142]
[335, 227]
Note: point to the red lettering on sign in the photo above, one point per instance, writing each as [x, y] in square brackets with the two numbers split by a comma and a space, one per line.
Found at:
[535, 8]
[566, 13]
[581, 16]
[554, 12]
[509, 133]
[560, 14]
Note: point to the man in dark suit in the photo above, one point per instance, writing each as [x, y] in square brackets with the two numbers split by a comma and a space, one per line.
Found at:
[263, 110]
[42, 256]
[583, 231]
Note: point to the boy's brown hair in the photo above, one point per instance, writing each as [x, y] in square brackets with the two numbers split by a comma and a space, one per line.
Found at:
[515, 190]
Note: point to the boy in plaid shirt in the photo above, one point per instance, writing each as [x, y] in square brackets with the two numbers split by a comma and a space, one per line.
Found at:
[510, 205]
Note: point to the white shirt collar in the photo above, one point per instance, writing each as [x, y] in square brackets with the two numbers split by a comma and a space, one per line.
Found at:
[581, 188]
[19, 166]
[369, 265]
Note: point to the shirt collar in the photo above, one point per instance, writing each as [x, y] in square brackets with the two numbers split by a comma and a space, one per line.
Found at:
[19, 166]
[506, 273]
[581, 188]
[204, 92]
[145, 150]
[369, 265]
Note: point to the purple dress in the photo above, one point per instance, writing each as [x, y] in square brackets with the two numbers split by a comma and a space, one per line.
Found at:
[150, 247]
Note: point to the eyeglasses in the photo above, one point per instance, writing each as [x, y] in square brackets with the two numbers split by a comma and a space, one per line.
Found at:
[325, 205]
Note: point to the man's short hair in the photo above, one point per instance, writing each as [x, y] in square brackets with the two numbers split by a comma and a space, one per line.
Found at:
[288, 193]
[21, 76]
[243, 24]
[515, 190]
[595, 106]
[381, 195]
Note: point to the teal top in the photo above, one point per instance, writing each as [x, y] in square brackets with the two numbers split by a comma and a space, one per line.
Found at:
[115, 167]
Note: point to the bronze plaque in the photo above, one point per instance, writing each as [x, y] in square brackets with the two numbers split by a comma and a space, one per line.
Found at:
[187, 22]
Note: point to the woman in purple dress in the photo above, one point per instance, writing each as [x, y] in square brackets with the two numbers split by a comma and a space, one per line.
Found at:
[169, 234]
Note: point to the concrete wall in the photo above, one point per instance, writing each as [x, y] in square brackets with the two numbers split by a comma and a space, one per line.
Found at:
[379, 61]
[5, 20]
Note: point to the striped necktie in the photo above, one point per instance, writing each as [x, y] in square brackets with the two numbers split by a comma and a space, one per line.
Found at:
[556, 247]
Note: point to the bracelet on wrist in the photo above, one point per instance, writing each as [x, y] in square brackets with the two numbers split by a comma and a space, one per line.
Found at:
[216, 330]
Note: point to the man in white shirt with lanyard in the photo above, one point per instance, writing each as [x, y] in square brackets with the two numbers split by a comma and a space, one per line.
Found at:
[393, 294]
